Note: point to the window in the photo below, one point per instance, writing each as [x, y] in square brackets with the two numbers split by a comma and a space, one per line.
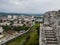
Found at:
[59, 23]
[0, 33]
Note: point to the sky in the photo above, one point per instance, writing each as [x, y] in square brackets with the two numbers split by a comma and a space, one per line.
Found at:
[29, 6]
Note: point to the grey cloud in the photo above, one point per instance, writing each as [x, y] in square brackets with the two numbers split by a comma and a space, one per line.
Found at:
[29, 6]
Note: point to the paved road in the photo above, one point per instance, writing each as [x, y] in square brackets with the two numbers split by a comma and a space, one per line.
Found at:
[40, 36]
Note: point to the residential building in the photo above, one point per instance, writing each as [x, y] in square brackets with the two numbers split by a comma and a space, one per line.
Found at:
[4, 23]
[1, 32]
[9, 17]
[14, 17]
[51, 21]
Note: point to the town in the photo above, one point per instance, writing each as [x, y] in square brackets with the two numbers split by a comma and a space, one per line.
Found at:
[13, 26]
[29, 22]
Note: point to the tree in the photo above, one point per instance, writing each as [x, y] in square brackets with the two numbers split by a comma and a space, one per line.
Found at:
[6, 28]
[11, 22]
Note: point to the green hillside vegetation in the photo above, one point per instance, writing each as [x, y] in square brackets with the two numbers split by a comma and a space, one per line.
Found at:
[34, 37]
[30, 38]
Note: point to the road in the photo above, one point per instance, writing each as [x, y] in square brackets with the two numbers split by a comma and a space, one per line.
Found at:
[41, 35]
[6, 39]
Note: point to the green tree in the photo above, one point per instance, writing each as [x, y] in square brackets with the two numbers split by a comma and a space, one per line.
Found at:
[6, 28]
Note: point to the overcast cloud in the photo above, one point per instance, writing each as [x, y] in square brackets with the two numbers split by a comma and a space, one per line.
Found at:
[29, 6]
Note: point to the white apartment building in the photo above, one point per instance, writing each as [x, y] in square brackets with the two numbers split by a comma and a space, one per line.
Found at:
[9, 17]
[52, 20]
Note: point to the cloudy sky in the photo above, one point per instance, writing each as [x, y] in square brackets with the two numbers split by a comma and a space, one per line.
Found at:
[29, 6]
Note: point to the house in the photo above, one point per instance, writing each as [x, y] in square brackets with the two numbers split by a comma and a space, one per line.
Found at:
[14, 17]
[1, 32]
[4, 23]
[17, 24]
[16, 21]
[20, 20]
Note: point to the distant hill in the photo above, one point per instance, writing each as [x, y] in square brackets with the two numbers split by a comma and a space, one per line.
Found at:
[5, 14]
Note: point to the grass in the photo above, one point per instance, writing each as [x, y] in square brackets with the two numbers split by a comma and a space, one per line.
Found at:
[34, 37]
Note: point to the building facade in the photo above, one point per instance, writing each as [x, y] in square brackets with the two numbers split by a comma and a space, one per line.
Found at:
[51, 28]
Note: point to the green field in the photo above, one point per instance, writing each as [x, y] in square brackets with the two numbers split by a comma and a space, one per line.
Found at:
[31, 38]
